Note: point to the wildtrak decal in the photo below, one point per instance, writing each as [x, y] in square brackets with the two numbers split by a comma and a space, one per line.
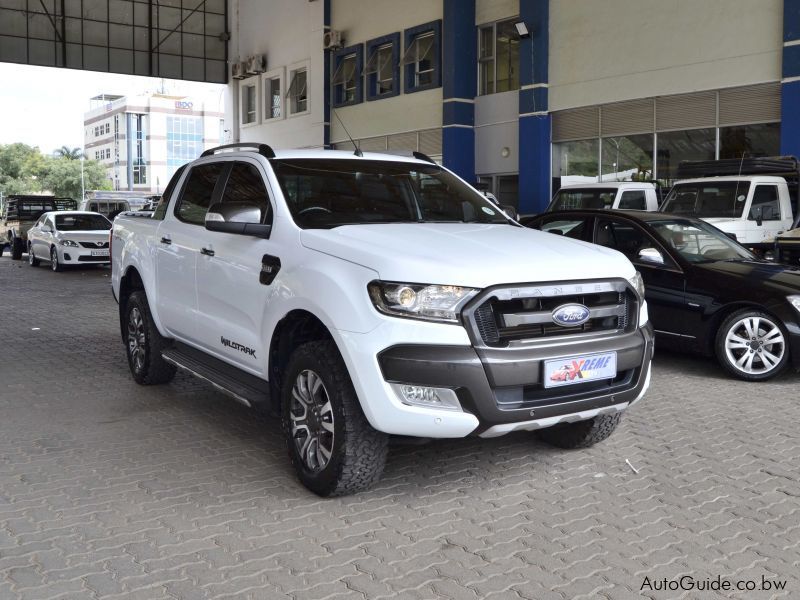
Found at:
[236, 346]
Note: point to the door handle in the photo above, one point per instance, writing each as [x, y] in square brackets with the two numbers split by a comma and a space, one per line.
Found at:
[166, 240]
[207, 251]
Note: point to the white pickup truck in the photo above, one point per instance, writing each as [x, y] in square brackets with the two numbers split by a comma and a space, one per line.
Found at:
[616, 195]
[365, 296]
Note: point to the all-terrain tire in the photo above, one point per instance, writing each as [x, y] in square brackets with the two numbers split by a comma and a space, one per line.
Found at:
[16, 248]
[581, 434]
[358, 452]
[144, 344]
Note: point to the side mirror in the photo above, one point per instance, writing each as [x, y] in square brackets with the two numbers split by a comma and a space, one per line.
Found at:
[651, 255]
[237, 218]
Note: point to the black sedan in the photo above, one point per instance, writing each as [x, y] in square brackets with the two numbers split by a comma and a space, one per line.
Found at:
[705, 292]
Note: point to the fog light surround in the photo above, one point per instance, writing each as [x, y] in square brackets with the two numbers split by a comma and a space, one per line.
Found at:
[427, 396]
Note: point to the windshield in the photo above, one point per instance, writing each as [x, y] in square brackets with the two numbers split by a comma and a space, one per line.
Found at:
[583, 198]
[328, 193]
[700, 242]
[723, 199]
[82, 223]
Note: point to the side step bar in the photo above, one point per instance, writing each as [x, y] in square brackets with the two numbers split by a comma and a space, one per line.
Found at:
[241, 386]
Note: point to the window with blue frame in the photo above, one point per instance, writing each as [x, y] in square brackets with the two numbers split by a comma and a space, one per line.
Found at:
[423, 57]
[383, 67]
[347, 81]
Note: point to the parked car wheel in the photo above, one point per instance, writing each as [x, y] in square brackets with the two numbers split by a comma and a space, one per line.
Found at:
[16, 248]
[581, 434]
[54, 264]
[2, 248]
[32, 260]
[752, 345]
[144, 343]
[333, 448]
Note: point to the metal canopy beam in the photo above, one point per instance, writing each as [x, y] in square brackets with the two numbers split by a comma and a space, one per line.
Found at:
[176, 39]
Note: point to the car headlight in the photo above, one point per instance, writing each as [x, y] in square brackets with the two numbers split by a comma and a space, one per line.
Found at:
[69, 243]
[794, 301]
[638, 284]
[419, 301]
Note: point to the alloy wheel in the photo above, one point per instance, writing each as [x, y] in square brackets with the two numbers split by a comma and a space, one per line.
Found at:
[311, 416]
[54, 259]
[136, 339]
[755, 345]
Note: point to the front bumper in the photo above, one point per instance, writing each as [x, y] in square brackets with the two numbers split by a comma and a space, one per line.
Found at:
[70, 255]
[503, 389]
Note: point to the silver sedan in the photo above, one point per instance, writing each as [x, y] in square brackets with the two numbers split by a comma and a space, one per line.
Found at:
[69, 238]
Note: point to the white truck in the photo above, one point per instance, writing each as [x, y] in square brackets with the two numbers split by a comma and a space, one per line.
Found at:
[748, 199]
[616, 195]
[360, 297]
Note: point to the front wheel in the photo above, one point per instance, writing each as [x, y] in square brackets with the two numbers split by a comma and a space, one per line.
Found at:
[32, 260]
[752, 345]
[144, 343]
[16, 248]
[334, 449]
[54, 264]
[582, 434]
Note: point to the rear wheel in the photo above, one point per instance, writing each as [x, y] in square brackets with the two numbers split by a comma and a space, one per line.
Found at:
[752, 345]
[334, 449]
[144, 343]
[54, 264]
[581, 434]
[16, 248]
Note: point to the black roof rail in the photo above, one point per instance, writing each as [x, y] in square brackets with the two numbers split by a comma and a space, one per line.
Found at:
[421, 156]
[263, 149]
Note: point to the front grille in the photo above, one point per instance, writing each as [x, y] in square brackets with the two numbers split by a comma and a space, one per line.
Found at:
[94, 244]
[94, 259]
[510, 315]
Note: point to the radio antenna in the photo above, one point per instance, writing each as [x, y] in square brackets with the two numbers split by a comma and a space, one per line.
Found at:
[352, 141]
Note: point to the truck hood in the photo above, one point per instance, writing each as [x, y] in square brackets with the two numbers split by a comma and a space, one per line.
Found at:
[467, 254]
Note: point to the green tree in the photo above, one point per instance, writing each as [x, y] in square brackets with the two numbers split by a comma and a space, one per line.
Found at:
[62, 177]
[68, 153]
[20, 169]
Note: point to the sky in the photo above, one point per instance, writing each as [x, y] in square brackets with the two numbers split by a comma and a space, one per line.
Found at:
[43, 106]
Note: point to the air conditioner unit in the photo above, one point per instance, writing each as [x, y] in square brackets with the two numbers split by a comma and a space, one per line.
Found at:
[332, 39]
[237, 70]
[256, 64]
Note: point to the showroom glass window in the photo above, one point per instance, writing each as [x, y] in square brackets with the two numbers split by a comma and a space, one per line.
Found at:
[627, 158]
[576, 161]
[676, 146]
[184, 141]
[763, 139]
[498, 57]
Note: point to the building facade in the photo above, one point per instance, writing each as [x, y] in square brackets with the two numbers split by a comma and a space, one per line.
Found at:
[523, 96]
[143, 139]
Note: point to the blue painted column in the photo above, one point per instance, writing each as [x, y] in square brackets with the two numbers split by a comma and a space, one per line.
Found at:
[326, 80]
[534, 115]
[790, 87]
[460, 82]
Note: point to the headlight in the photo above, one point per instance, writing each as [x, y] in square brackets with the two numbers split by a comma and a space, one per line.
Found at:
[69, 243]
[794, 301]
[419, 301]
[638, 284]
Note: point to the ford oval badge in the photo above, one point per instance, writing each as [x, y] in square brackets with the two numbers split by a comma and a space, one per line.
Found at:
[571, 315]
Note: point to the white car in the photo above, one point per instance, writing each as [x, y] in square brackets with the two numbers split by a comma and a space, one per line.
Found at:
[69, 237]
[364, 296]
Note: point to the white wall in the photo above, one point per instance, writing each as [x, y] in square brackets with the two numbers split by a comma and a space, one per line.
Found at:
[488, 11]
[623, 49]
[289, 32]
[361, 21]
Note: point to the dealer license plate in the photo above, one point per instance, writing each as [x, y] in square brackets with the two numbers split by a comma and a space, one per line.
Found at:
[99, 252]
[580, 369]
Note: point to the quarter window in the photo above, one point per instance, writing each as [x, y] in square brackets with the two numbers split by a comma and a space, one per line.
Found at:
[633, 200]
[197, 193]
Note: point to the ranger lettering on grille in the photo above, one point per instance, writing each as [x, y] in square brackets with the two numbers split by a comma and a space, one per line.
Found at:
[236, 346]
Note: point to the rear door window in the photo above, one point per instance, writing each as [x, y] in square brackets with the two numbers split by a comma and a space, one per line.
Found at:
[633, 200]
[198, 192]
